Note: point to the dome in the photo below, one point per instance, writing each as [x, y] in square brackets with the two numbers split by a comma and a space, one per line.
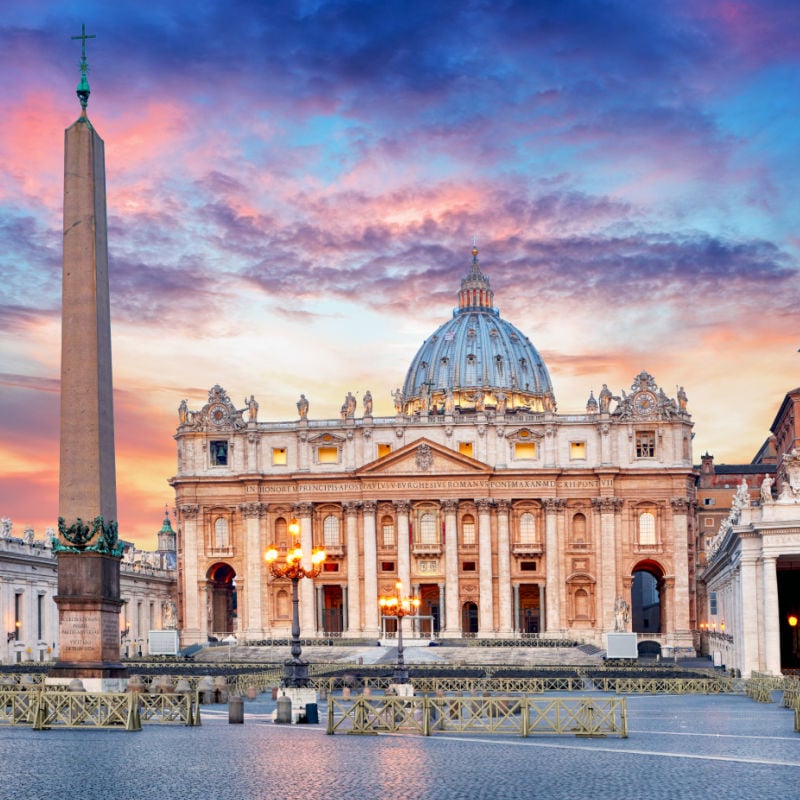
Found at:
[476, 361]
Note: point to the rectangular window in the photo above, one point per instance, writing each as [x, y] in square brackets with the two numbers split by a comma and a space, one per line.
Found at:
[524, 450]
[330, 566]
[219, 453]
[328, 455]
[528, 566]
[712, 604]
[577, 451]
[387, 566]
[465, 448]
[709, 501]
[279, 456]
[709, 522]
[469, 566]
[645, 444]
[384, 450]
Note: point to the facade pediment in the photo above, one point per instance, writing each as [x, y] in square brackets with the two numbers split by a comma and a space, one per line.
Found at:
[424, 457]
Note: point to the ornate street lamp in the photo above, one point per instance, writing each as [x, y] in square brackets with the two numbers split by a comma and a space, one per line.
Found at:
[399, 607]
[295, 670]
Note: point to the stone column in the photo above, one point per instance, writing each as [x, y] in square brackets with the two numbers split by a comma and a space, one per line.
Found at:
[403, 546]
[605, 442]
[608, 508]
[680, 533]
[319, 591]
[192, 602]
[252, 618]
[504, 567]
[306, 588]
[516, 608]
[442, 601]
[353, 627]
[486, 605]
[750, 661]
[452, 610]
[371, 625]
[770, 622]
[552, 505]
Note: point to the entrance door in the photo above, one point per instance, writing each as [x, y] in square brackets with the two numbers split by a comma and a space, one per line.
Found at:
[333, 611]
[469, 618]
[529, 608]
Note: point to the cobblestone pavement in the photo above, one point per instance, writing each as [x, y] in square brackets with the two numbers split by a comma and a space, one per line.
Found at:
[693, 747]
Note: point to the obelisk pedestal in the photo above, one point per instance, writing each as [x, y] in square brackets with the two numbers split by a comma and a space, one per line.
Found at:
[87, 546]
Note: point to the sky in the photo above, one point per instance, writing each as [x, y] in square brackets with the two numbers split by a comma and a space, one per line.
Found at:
[293, 190]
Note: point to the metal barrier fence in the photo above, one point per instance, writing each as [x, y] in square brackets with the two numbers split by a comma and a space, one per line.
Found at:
[669, 685]
[42, 709]
[521, 716]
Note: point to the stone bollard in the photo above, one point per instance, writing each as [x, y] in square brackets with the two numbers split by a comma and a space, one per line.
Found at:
[27, 681]
[367, 691]
[163, 685]
[346, 693]
[284, 713]
[135, 684]
[182, 687]
[251, 692]
[76, 685]
[235, 709]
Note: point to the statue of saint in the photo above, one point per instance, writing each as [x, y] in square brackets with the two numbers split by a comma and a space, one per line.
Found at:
[621, 614]
[766, 490]
[169, 612]
[302, 407]
[449, 402]
[605, 399]
[502, 399]
[682, 399]
[397, 396]
[367, 403]
[350, 404]
[183, 412]
[252, 407]
[479, 399]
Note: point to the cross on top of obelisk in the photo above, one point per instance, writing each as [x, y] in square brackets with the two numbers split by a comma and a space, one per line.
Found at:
[83, 90]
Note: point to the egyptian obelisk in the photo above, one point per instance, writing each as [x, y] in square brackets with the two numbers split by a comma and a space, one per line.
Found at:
[87, 547]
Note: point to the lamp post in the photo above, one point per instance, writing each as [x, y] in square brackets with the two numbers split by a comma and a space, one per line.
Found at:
[399, 607]
[295, 670]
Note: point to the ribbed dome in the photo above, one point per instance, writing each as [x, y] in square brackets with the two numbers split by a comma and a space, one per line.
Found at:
[483, 360]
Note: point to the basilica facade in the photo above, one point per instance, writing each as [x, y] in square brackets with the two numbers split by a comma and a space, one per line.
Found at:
[506, 518]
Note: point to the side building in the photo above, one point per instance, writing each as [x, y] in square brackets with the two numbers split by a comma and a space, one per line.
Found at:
[749, 587]
[28, 584]
[505, 517]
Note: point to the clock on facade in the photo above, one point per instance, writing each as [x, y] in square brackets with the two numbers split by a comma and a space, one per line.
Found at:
[218, 414]
[644, 403]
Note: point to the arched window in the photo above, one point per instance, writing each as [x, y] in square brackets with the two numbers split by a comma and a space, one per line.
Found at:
[527, 528]
[282, 604]
[579, 529]
[387, 526]
[221, 533]
[468, 529]
[427, 529]
[330, 531]
[647, 528]
[581, 604]
[280, 532]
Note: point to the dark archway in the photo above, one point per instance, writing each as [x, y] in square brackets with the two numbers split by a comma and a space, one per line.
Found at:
[530, 608]
[333, 609]
[222, 600]
[469, 618]
[788, 574]
[647, 598]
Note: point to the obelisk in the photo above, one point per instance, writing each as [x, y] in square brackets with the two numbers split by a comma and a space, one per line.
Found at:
[87, 546]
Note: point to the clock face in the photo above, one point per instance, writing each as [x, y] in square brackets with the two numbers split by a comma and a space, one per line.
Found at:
[645, 403]
[218, 414]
